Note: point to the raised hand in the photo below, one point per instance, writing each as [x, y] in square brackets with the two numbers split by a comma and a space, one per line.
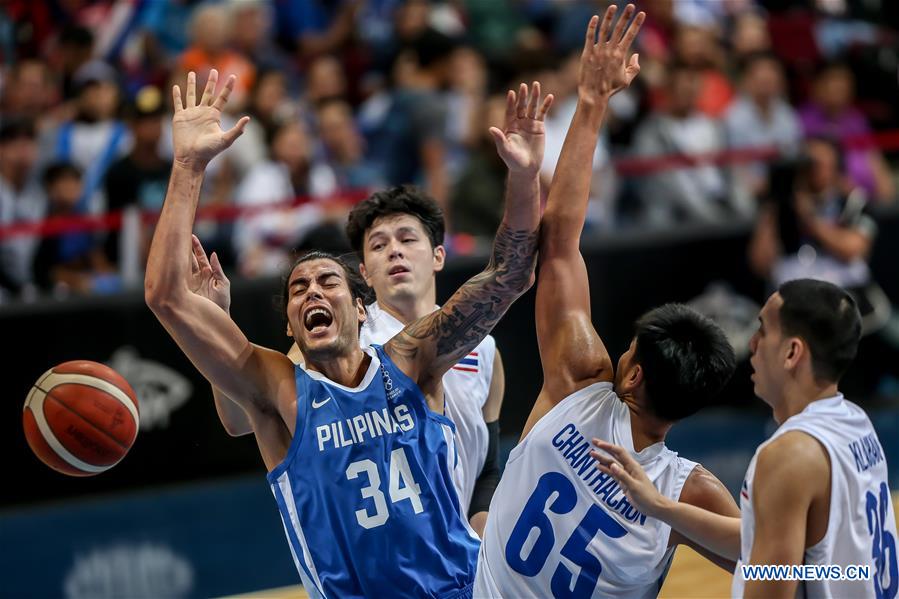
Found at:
[207, 279]
[521, 140]
[605, 67]
[196, 127]
[618, 463]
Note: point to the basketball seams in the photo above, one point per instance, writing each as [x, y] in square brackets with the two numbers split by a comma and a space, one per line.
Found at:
[97, 371]
[88, 380]
[37, 411]
[94, 426]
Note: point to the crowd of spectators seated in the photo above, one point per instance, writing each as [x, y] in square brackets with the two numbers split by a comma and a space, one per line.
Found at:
[359, 94]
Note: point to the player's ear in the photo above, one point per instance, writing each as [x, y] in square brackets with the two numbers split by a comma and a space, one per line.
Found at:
[439, 258]
[795, 351]
[635, 377]
[289, 331]
[364, 272]
[360, 310]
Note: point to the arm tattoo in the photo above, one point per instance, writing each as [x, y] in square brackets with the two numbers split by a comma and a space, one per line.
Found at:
[476, 307]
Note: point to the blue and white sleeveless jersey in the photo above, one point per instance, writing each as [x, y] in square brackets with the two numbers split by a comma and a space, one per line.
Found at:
[861, 525]
[558, 527]
[366, 493]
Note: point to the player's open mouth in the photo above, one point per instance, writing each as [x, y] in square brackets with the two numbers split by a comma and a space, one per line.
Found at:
[317, 319]
[398, 270]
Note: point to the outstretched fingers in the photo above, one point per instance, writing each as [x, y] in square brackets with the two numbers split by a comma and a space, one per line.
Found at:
[209, 90]
[217, 269]
[544, 108]
[236, 131]
[632, 31]
[607, 24]
[534, 100]
[591, 33]
[199, 253]
[177, 103]
[511, 101]
[618, 33]
[191, 91]
[522, 105]
[223, 96]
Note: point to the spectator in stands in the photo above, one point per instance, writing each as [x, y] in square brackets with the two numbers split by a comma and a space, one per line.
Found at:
[761, 117]
[477, 197]
[74, 49]
[71, 262]
[698, 47]
[465, 100]
[140, 179]
[815, 226]
[27, 91]
[317, 27]
[344, 147]
[211, 31]
[264, 241]
[95, 138]
[325, 80]
[410, 141]
[21, 200]
[252, 35]
[749, 37]
[269, 105]
[831, 113]
[685, 194]
[603, 184]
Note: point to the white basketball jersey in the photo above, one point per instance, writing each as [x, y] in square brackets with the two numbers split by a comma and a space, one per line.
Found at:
[559, 527]
[465, 386]
[862, 528]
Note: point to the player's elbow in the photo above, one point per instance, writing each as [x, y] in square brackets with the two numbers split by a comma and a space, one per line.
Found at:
[159, 297]
[237, 429]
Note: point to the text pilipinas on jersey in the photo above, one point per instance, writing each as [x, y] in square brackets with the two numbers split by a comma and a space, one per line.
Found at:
[373, 424]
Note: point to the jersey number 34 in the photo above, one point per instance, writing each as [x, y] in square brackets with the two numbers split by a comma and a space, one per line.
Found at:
[401, 486]
[534, 516]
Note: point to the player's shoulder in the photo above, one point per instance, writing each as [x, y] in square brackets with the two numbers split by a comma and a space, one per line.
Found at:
[792, 457]
[704, 489]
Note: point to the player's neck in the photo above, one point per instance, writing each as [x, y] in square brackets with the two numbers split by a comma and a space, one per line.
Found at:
[646, 428]
[796, 397]
[409, 309]
[347, 370]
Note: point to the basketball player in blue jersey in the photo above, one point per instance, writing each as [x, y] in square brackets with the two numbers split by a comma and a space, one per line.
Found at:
[398, 235]
[816, 492]
[360, 466]
[558, 526]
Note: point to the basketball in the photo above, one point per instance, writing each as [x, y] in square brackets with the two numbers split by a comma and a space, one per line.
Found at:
[81, 418]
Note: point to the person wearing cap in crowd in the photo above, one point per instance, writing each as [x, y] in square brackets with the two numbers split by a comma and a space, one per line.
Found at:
[95, 138]
[140, 177]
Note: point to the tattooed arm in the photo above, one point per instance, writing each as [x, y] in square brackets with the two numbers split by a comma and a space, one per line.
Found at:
[429, 347]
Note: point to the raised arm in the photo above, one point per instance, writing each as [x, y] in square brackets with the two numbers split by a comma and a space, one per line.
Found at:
[429, 347]
[206, 334]
[571, 352]
[208, 279]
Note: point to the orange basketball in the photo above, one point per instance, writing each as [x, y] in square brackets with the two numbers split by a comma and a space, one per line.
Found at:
[81, 418]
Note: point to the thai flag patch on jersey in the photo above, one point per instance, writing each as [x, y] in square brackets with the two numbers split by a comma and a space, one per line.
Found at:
[468, 364]
[745, 490]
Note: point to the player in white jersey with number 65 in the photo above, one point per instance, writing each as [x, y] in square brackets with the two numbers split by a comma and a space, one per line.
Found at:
[559, 527]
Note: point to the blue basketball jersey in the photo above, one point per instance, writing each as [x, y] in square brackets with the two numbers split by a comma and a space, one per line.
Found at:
[365, 492]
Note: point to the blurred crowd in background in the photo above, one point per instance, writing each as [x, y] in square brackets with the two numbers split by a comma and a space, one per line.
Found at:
[352, 95]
